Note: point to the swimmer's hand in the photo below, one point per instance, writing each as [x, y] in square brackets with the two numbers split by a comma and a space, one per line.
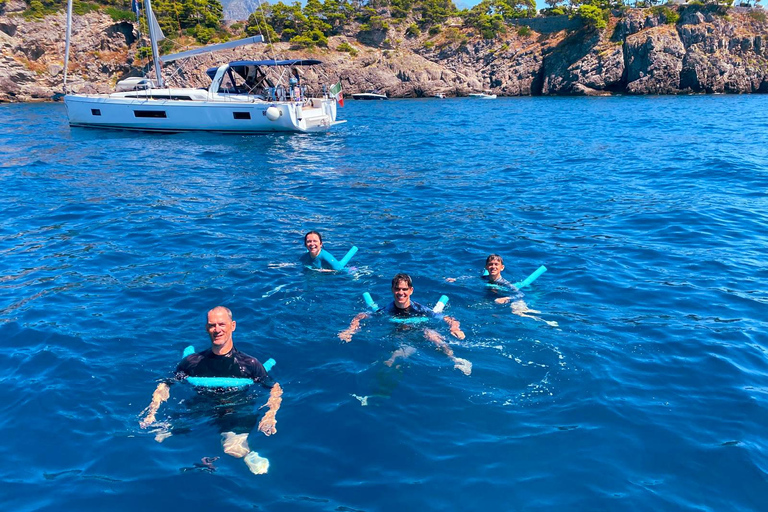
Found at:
[354, 326]
[267, 424]
[503, 300]
[161, 394]
[450, 279]
[457, 333]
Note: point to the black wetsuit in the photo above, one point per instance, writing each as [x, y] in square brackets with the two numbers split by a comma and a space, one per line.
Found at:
[413, 310]
[500, 282]
[233, 364]
[230, 410]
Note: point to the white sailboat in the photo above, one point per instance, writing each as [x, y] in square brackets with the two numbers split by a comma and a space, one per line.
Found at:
[243, 97]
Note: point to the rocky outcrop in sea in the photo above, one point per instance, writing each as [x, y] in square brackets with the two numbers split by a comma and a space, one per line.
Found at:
[639, 53]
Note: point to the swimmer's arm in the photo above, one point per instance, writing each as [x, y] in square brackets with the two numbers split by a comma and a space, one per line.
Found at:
[455, 327]
[354, 326]
[161, 394]
[268, 422]
[503, 300]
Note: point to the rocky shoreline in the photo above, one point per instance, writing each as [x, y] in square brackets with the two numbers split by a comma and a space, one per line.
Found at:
[639, 53]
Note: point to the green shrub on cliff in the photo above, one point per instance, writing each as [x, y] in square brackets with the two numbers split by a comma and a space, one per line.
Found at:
[310, 39]
[257, 25]
[594, 17]
[346, 47]
[670, 15]
[757, 15]
[81, 8]
[119, 14]
[39, 9]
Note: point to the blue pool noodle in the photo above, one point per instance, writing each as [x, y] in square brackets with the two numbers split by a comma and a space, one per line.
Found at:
[440, 306]
[531, 278]
[222, 382]
[369, 301]
[348, 256]
[413, 320]
[333, 262]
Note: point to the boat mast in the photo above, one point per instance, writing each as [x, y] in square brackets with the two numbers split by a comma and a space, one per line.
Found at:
[153, 41]
[66, 45]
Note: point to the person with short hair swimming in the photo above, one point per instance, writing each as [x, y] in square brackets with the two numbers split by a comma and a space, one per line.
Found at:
[222, 359]
[494, 264]
[403, 307]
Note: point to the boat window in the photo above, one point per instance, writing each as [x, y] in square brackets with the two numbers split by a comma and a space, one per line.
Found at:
[242, 115]
[163, 97]
[149, 113]
[95, 112]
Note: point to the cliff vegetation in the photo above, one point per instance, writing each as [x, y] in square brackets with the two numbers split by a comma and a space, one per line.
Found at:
[406, 48]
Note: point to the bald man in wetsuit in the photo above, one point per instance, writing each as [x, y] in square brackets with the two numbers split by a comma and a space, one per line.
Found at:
[223, 360]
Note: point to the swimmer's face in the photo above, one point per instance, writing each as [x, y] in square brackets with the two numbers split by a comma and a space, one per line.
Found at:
[313, 244]
[402, 294]
[494, 268]
[220, 329]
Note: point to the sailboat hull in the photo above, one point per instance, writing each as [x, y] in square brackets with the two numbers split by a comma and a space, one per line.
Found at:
[188, 114]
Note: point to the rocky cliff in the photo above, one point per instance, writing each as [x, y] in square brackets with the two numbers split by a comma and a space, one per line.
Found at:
[639, 53]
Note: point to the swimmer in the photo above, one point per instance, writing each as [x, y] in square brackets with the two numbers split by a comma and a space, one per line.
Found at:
[494, 264]
[319, 259]
[402, 308]
[224, 360]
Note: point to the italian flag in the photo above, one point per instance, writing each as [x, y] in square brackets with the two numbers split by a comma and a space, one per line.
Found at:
[336, 91]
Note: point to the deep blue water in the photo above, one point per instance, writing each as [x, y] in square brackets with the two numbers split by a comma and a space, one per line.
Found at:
[651, 394]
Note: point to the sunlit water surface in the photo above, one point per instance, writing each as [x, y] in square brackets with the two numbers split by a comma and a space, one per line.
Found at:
[650, 394]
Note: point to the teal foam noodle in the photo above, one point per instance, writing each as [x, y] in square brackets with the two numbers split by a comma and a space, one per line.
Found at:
[369, 301]
[219, 382]
[440, 306]
[348, 256]
[222, 382]
[531, 278]
[409, 320]
[485, 272]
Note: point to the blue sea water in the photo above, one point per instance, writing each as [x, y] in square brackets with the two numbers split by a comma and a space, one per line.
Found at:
[650, 393]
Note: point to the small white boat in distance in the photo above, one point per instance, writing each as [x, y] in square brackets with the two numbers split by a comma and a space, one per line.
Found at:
[483, 95]
[369, 96]
[439, 95]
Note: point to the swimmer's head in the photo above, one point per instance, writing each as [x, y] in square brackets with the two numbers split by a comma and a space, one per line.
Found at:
[220, 327]
[313, 241]
[494, 257]
[494, 264]
[402, 288]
